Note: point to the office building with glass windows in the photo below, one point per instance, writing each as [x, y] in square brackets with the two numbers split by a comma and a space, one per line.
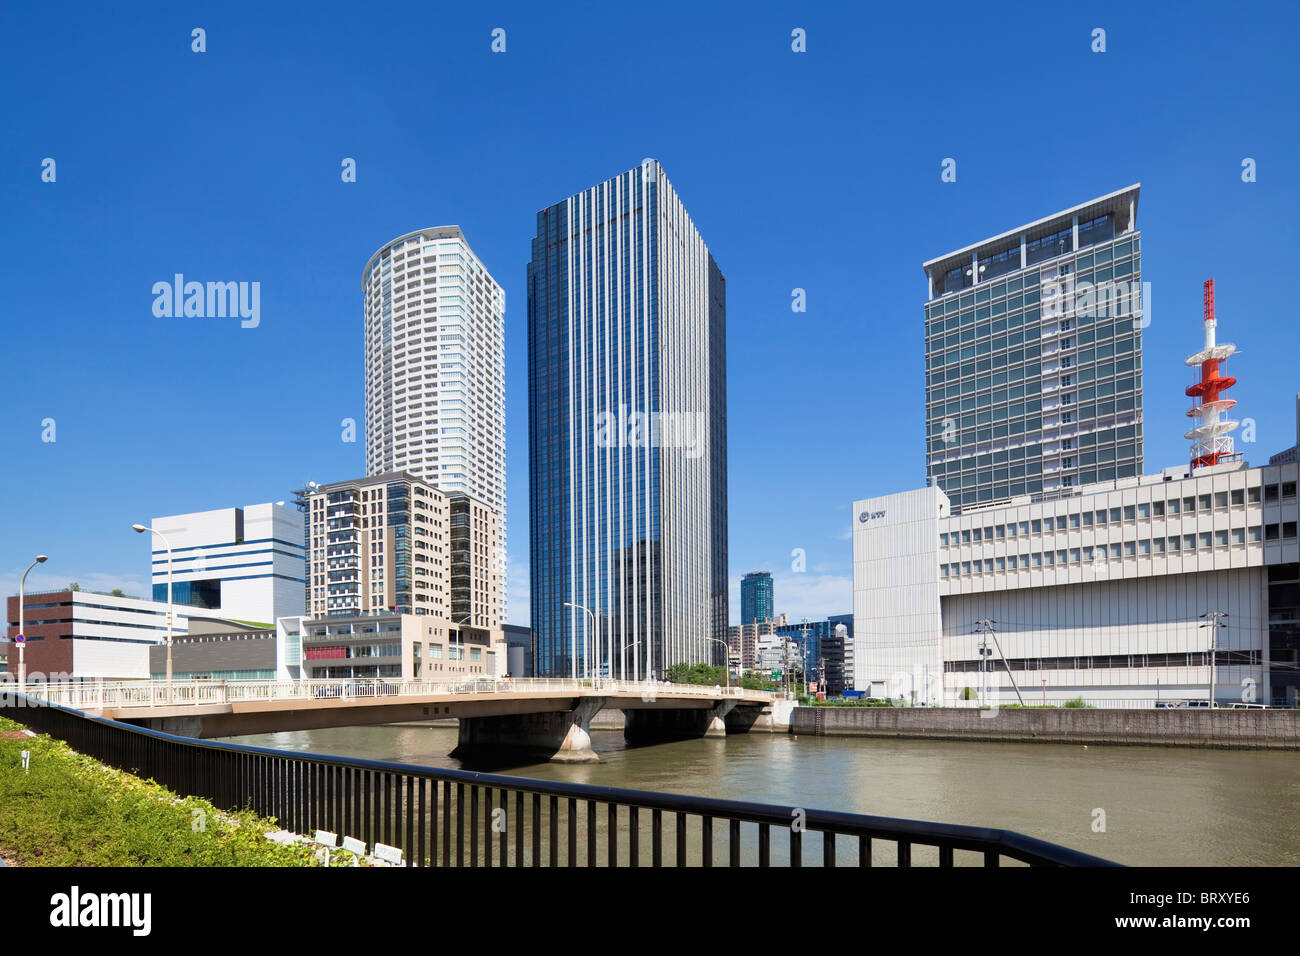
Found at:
[756, 597]
[435, 370]
[1033, 345]
[627, 433]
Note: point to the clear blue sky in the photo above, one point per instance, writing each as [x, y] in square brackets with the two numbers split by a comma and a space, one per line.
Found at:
[817, 170]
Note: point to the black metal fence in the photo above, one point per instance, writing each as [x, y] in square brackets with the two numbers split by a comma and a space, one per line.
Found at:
[461, 818]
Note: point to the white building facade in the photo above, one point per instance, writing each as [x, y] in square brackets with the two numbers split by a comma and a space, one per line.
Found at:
[1109, 594]
[245, 564]
[435, 370]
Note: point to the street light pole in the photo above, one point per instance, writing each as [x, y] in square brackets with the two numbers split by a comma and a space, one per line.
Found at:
[140, 529]
[726, 659]
[586, 647]
[22, 645]
[460, 638]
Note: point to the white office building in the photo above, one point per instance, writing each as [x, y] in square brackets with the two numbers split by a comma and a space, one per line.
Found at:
[1109, 594]
[244, 564]
[435, 370]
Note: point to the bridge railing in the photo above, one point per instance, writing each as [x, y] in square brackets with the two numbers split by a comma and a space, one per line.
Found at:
[97, 695]
[463, 818]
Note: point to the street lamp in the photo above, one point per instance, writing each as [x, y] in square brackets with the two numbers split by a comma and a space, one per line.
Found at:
[140, 529]
[726, 665]
[623, 661]
[460, 638]
[22, 645]
[586, 643]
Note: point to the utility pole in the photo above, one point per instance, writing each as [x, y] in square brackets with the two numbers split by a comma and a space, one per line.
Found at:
[986, 626]
[1214, 621]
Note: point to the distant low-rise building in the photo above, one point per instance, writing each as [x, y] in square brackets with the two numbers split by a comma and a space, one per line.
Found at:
[88, 634]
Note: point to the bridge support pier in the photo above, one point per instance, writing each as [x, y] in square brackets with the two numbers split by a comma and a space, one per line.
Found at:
[675, 723]
[560, 736]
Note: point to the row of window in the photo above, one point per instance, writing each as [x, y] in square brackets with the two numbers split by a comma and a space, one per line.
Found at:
[1095, 661]
[1189, 504]
[1101, 554]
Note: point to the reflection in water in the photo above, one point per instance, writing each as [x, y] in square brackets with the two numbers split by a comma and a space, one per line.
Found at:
[1163, 806]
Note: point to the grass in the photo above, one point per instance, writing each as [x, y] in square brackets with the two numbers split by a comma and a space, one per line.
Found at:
[70, 810]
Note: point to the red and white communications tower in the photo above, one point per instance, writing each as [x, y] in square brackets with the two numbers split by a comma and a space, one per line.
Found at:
[1210, 438]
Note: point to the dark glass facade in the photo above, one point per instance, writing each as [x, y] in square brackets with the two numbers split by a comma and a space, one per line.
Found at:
[204, 594]
[756, 597]
[1033, 347]
[627, 433]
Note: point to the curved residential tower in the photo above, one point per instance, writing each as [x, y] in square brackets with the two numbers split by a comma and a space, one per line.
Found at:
[435, 369]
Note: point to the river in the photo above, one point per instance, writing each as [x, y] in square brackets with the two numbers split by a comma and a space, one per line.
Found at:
[1159, 806]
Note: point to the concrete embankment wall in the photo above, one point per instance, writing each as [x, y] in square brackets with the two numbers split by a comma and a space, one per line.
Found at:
[1175, 727]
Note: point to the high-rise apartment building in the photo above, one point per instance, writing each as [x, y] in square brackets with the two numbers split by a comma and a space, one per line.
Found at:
[627, 432]
[756, 597]
[435, 370]
[1034, 356]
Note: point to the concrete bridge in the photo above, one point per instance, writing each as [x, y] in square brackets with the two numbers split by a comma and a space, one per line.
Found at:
[541, 717]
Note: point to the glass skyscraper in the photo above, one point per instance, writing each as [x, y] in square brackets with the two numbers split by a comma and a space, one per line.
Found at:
[1033, 348]
[756, 597]
[627, 433]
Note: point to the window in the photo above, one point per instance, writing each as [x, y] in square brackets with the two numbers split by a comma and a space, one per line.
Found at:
[1189, 505]
[1002, 564]
[1101, 517]
[976, 534]
[1271, 532]
[1130, 512]
[1189, 542]
[1288, 489]
[1175, 543]
[1159, 545]
[1115, 550]
[943, 538]
[1221, 539]
[1114, 514]
[1144, 546]
[1175, 506]
[1130, 548]
[1270, 492]
[1144, 510]
[1252, 495]
[1049, 523]
[1205, 502]
[1087, 519]
[1238, 496]
[1220, 499]
[1205, 539]
[1254, 533]
[1288, 529]
[1238, 535]
[1074, 520]
[1158, 509]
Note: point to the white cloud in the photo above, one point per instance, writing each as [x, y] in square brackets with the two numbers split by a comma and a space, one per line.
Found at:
[813, 595]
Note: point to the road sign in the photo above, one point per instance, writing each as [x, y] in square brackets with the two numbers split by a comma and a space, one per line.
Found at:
[20, 638]
[776, 673]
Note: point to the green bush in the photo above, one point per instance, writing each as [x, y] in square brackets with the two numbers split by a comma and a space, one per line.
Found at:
[70, 810]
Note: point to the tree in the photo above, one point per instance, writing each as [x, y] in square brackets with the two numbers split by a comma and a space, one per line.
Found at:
[74, 586]
[117, 592]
